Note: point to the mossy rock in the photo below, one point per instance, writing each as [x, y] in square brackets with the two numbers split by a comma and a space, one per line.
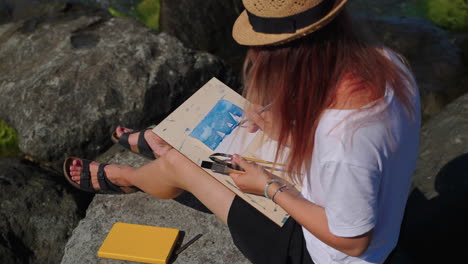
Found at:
[147, 12]
[8, 141]
[449, 14]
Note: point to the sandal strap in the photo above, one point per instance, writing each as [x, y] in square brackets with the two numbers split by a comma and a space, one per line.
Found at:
[143, 145]
[106, 185]
[123, 140]
[85, 177]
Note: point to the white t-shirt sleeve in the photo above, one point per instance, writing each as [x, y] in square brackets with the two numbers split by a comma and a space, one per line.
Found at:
[351, 197]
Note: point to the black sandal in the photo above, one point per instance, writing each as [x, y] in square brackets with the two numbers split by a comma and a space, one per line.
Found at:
[107, 187]
[142, 146]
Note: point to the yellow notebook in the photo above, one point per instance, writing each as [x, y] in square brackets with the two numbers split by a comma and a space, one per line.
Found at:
[140, 243]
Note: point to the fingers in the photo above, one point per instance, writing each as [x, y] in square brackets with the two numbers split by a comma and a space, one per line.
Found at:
[252, 128]
[262, 121]
[257, 119]
[254, 178]
[235, 176]
[238, 160]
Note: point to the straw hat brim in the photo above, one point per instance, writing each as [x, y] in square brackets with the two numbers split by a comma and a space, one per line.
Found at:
[243, 33]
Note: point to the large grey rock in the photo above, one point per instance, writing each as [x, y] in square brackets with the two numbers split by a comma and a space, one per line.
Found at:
[443, 139]
[186, 214]
[437, 210]
[205, 25]
[436, 62]
[37, 214]
[67, 82]
[199, 24]
[11, 10]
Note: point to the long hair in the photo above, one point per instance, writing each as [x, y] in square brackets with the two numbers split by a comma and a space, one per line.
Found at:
[300, 80]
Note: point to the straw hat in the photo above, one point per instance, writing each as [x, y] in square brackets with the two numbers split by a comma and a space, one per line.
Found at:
[273, 22]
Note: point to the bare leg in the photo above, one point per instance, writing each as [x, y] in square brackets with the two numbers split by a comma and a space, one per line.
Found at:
[166, 178]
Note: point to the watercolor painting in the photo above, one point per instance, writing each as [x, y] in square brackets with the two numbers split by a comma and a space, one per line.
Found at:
[208, 122]
[217, 124]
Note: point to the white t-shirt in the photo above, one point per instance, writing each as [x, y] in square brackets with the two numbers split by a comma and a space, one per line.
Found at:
[362, 175]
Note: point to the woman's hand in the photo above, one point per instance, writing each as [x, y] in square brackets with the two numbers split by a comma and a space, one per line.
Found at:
[255, 178]
[263, 121]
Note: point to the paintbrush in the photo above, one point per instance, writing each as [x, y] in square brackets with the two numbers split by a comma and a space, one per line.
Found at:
[263, 109]
[221, 168]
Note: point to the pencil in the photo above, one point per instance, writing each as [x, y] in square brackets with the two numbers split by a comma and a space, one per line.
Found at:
[263, 161]
[263, 109]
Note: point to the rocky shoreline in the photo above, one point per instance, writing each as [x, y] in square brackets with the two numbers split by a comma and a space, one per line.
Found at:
[70, 73]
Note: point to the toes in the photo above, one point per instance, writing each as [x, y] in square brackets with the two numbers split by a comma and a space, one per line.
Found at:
[119, 131]
[76, 163]
[75, 170]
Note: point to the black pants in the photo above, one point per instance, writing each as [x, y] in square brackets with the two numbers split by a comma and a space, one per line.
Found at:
[262, 241]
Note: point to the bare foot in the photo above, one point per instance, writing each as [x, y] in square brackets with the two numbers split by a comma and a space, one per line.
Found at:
[115, 173]
[157, 144]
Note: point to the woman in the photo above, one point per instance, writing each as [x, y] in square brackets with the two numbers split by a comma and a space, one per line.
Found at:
[345, 115]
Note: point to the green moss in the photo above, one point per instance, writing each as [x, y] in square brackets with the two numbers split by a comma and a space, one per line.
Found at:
[8, 141]
[146, 11]
[117, 13]
[449, 14]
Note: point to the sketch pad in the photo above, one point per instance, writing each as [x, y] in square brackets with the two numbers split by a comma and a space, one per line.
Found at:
[140, 243]
[201, 123]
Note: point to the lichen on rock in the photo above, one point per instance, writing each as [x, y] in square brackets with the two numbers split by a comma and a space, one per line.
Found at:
[146, 11]
[449, 14]
[8, 141]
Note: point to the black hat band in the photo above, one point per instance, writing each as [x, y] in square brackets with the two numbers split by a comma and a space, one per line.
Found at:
[289, 24]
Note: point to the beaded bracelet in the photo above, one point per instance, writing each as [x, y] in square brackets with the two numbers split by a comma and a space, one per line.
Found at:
[268, 185]
[280, 189]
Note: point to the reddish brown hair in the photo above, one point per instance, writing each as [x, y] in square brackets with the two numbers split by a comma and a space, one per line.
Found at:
[301, 80]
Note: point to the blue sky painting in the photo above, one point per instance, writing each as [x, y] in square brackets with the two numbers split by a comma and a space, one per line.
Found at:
[218, 123]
